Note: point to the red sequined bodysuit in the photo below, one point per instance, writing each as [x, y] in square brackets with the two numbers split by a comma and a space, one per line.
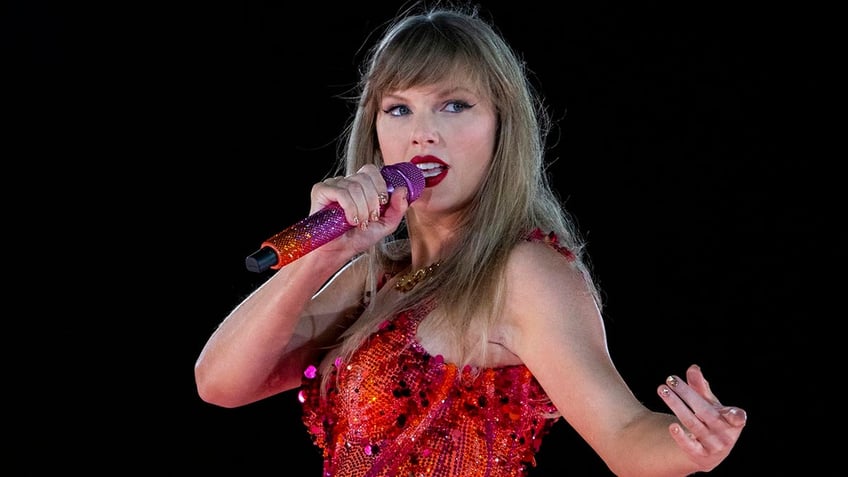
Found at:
[398, 411]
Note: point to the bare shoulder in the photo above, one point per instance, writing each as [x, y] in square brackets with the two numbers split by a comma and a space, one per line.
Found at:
[547, 295]
[536, 267]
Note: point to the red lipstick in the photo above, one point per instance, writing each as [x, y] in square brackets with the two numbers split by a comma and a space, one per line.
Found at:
[433, 168]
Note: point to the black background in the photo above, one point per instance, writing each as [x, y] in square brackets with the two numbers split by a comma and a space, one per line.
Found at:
[686, 147]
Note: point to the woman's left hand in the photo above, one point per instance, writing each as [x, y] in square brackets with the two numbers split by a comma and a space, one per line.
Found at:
[709, 429]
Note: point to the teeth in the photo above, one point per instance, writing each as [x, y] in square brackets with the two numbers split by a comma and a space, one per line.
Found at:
[429, 169]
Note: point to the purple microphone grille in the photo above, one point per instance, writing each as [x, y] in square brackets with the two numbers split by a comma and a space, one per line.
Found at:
[404, 174]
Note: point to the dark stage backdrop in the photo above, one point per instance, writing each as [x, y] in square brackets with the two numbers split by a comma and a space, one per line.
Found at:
[676, 145]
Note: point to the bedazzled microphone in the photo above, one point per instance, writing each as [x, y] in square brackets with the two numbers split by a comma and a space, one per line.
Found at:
[327, 224]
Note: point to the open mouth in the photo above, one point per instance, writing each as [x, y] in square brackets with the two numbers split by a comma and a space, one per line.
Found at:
[433, 170]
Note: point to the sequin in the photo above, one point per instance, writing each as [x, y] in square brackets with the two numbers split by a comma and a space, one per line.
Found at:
[395, 410]
[311, 371]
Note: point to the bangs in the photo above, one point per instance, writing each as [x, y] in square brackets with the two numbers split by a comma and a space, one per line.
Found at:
[423, 54]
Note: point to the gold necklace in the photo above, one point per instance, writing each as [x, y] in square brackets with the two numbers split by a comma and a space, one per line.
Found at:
[409, 280]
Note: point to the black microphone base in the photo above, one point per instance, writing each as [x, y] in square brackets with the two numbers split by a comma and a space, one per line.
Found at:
[261, 260]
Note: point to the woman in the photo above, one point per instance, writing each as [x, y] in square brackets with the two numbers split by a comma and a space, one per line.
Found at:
[445, 336]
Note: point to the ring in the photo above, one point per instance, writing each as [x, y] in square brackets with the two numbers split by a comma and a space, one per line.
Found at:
[384, 198]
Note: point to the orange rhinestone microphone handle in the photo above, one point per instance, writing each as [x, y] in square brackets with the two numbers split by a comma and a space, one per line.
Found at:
[327, 224]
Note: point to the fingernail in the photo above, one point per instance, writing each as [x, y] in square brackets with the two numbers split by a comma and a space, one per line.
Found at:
[734, 412]
[672, 381]
[665, 391]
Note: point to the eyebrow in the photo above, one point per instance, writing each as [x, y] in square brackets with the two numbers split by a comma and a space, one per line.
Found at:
[440, 92]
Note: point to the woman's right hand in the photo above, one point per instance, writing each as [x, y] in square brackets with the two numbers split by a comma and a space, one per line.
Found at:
[362, 196]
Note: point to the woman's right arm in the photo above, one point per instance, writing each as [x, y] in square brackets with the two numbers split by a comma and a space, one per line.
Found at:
[261, 347]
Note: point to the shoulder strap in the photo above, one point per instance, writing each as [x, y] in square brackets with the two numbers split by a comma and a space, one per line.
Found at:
[550, 239]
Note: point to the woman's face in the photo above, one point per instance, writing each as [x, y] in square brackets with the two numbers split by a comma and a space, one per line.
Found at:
[447, 130]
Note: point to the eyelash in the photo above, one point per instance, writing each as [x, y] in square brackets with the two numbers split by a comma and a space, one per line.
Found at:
[460, 105]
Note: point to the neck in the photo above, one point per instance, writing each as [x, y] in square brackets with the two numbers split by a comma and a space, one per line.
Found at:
[429, 242]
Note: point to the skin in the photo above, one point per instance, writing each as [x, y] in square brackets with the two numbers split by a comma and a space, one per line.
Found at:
[261, 348]
[453, 124]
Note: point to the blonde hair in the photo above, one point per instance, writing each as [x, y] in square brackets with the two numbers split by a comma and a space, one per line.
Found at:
[420, 49]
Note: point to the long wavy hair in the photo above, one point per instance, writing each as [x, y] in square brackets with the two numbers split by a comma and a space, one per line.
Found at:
[420, 49]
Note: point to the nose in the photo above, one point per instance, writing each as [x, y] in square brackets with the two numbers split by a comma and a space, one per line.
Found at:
[425, 131]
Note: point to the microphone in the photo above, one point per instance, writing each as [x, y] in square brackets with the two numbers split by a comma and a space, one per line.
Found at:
[327, 224]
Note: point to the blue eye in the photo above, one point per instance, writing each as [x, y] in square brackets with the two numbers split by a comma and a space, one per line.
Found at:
[457, 106]
[399, 110]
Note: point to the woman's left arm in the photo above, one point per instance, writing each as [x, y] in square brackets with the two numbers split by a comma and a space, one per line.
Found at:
[557, 330]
